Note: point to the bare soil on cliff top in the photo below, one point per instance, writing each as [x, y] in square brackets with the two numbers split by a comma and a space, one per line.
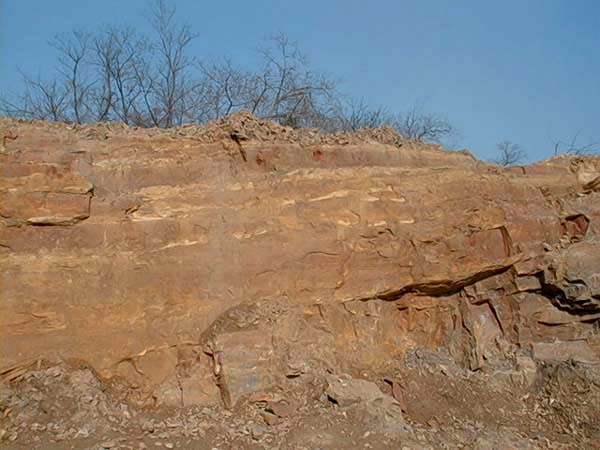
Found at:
[240, 127]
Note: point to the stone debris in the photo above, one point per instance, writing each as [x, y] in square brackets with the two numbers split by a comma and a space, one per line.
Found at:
[345, 391]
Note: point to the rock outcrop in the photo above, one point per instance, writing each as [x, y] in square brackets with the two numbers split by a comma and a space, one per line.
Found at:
[206, 265]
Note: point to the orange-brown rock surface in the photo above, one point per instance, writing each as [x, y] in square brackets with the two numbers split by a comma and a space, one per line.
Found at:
[204, 265]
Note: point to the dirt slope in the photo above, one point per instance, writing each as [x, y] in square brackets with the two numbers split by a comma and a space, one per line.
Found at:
[246, 285]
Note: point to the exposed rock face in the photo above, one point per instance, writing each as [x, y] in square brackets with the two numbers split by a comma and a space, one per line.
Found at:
[250, 254]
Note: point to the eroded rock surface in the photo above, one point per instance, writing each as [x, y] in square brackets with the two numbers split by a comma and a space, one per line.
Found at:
[205, 266]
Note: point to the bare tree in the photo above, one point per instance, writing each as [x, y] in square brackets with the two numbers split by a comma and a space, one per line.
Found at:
[420, 126]
[575, 148]
[509, 154]
[355, 114]
[74, 53]
[171, 67]
[64, 97]
[117, 94]
[227, 89]
[118, 74]
[285, 87]
[40, 99]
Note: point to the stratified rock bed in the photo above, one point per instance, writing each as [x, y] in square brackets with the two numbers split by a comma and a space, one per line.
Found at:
[246, 285]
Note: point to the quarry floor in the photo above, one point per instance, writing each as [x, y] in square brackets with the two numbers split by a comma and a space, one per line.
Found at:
[428, 403]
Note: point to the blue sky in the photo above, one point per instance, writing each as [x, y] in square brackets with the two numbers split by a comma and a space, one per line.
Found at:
[527, 71]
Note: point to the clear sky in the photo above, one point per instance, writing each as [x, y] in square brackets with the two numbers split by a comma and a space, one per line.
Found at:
[523, 70]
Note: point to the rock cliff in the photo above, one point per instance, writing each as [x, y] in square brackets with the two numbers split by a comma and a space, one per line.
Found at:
[205, 265]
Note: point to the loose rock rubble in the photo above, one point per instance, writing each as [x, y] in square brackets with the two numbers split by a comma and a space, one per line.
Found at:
[442, 406]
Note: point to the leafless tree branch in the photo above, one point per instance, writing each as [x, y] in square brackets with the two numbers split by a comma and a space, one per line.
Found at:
[575, 148]
[509, 154]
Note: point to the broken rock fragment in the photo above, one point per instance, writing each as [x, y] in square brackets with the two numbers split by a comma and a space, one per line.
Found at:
[347, 392]
[244, 363]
